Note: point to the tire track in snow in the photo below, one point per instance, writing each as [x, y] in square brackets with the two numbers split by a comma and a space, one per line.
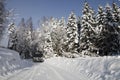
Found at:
[65, 75]
[33, 73]
[55, 72]
[51, 73]
[30, 75]
[22, 75]
[78, 75]
[2, 78]
[19, 75]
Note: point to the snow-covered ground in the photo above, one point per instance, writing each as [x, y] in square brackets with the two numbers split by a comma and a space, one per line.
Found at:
[10, 62]
[57, 68]
[96, 68]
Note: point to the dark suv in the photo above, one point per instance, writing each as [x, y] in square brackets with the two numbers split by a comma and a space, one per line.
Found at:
[38, 56]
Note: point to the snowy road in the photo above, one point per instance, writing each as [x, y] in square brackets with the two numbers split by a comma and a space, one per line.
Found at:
[44, 71]
[58, 68]
[13, 68]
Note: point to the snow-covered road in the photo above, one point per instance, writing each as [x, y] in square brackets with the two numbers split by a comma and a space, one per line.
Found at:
[44, 71]
[58, 68]
[13, 68]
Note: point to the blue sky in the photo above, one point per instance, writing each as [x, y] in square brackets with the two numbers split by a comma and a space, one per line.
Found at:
[56, 8]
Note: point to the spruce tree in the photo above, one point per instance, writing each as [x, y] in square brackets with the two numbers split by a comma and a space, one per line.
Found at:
[58, 36]
[116, 14]
[29, 25]
[100, 21]
[72, 34]
[28, 34]
[79, 28]
[108, 40]
[116, 21]
[12, 37]
[111, 34]
[88, 32]
[23, 45]
[46, 31]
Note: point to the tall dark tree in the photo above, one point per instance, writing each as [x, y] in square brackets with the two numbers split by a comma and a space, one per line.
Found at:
[116, 19]
[2, 17]
[79, 28]
[116, 14]
[113, 33]
[108, 39]
[100, 21]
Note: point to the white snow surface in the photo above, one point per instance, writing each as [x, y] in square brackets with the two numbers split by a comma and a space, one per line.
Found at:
[58, 68]
[10, 62]
[94, 68]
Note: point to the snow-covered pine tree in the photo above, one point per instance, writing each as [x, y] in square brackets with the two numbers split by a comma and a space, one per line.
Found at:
[111, 34]
[38, 41]
[88, 32]
[100, 19]
[22, 41]
[28, 34]
[46, 33]
[54, 35]
[116, 20]
[79, 28]
[116, 14]
[100, 26]
[29, 25]
[72, 34]
[12, 36]
[2, 17]
[58, 36]
[116, 27]
[108, 41]
[20, 35]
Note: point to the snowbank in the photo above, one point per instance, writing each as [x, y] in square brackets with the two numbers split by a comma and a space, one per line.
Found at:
[10, 62]
[97, 68]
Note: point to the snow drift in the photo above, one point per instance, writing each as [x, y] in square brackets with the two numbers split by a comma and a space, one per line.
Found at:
[10, 62]
[97, 68]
